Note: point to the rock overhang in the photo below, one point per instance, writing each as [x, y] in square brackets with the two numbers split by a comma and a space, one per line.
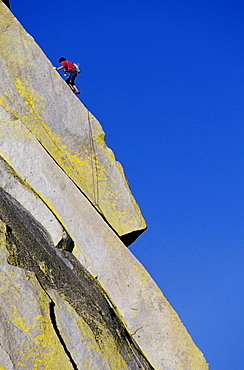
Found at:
[35, 94]
[61, 186]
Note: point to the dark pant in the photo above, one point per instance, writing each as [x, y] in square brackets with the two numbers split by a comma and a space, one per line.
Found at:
[72, 76]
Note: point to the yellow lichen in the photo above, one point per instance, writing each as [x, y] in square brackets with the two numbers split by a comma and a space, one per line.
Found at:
[85, 168]
[17, 320]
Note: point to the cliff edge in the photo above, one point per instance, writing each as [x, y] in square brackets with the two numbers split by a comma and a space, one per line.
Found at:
[72, 296]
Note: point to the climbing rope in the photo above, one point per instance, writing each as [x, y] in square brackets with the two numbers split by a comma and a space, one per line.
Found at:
[94, 164]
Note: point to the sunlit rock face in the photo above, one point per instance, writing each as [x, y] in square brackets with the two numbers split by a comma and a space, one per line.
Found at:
[35, 95]
[72, 296]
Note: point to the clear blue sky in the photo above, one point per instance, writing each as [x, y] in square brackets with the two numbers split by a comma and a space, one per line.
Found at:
[166, 81]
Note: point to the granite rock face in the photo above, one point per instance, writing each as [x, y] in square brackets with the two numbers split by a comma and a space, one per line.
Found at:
[34, 94]
[72, 296]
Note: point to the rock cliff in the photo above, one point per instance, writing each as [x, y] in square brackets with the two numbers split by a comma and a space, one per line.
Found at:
[72, 296]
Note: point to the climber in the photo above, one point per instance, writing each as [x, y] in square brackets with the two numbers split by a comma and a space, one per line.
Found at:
[72, 69]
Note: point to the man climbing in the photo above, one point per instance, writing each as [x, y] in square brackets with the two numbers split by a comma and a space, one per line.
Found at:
[70, 68]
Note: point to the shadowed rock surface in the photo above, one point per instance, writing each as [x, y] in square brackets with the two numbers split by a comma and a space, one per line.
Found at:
[6, 2]
[31, 248]
[72, 296]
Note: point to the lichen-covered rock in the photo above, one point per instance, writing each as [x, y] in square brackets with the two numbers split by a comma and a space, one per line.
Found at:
[35, 94]
[90, 304]
[27, 336]
[98, 333]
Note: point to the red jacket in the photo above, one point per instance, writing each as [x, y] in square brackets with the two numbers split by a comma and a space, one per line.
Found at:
[69, 66]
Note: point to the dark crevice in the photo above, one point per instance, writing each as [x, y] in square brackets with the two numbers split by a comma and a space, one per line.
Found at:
[55, 326]
[66, 243]
[6, 2]
[31, 248]
[129, 238]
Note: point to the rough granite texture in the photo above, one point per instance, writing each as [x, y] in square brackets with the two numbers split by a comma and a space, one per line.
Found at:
[72, 296]
[35, 94]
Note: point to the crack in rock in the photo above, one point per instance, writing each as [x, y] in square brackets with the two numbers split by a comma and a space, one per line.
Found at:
[31, 248]
[62, 342]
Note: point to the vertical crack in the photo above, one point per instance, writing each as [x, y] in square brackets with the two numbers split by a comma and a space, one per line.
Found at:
[55, 326]
[31, 248]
